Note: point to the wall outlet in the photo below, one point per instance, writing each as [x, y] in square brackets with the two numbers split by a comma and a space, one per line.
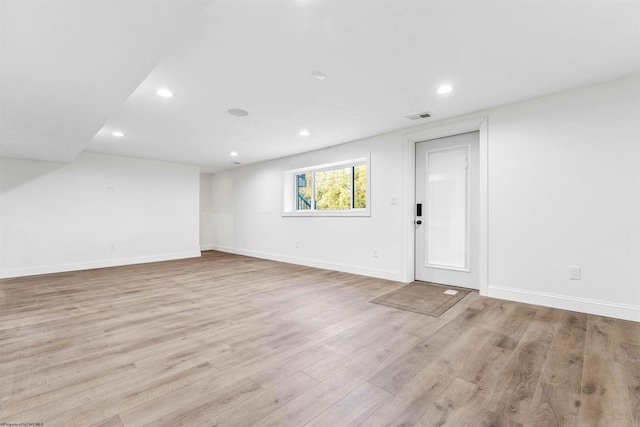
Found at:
[375, 252]
[111, 188]
[574, 273]
[297, 245]
[112, 247]
[395, 200]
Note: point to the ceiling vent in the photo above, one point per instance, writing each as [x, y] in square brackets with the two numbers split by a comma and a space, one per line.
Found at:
[419, 116]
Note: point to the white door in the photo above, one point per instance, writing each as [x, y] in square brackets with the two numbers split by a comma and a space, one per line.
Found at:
[447, 207]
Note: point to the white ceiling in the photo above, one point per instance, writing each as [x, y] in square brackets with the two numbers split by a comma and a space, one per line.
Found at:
[75, 71]
[68, 66]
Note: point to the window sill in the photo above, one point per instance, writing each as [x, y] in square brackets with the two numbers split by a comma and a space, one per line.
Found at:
[360, 213]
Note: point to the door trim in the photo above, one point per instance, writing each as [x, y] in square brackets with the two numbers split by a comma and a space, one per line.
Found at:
[479, 124]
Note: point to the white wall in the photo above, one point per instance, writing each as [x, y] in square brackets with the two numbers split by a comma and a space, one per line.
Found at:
[563, 190]
[248, 207]
[206, 217]
[61, 217]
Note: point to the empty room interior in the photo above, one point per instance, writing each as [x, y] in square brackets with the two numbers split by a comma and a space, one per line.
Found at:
[320, 213]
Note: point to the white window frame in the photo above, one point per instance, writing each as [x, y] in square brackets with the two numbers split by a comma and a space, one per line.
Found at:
[290, 189]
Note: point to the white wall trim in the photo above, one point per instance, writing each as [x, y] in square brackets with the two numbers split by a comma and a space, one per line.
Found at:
[50, 269]
[479, 124]
[206, 247]
[619, 311]
[345, 268]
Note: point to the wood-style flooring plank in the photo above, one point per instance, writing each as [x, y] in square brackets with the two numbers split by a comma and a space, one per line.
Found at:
[563, 367]
[407, 406]
[93, 413]
[232, 340]
[312, 403]
[352, 409]
[514, 391]
[402, 370]
[632, 377]
[261, 405]
[605, 398]
[111, 422]
[553, 406]
[627, 346]
[601, 337]
[485, 366]
[208, 406]
[452, 407]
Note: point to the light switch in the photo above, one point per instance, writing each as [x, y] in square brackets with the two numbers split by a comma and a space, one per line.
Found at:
[574, 273]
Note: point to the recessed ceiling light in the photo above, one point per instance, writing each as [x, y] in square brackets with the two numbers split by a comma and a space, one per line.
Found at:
[165, 93]
[233, 154]
[444, 89]
[304, 132]
[118, 134]
[319, 75]
[238, 112]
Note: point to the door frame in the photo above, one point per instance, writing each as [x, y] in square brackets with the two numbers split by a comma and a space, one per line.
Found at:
[479, 124]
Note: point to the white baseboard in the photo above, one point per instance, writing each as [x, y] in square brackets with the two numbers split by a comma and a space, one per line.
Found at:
[61, 268]
[600, 308]
[345, 268]
[206, 247]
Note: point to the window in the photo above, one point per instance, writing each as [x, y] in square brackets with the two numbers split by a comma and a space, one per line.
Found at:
[338, 188]
[448, 208]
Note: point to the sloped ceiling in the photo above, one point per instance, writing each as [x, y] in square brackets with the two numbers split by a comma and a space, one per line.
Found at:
[68, 66]
[73, 72]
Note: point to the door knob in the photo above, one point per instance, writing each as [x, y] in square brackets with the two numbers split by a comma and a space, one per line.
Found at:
[419, 222]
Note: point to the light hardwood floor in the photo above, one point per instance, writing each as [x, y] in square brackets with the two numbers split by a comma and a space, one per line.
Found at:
[236, 341]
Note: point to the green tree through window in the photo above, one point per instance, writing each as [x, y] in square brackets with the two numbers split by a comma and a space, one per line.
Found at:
[360, 187]
[334, 189]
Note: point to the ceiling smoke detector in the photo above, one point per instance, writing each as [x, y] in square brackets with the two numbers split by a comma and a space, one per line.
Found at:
[419, 116]
[238, 112]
